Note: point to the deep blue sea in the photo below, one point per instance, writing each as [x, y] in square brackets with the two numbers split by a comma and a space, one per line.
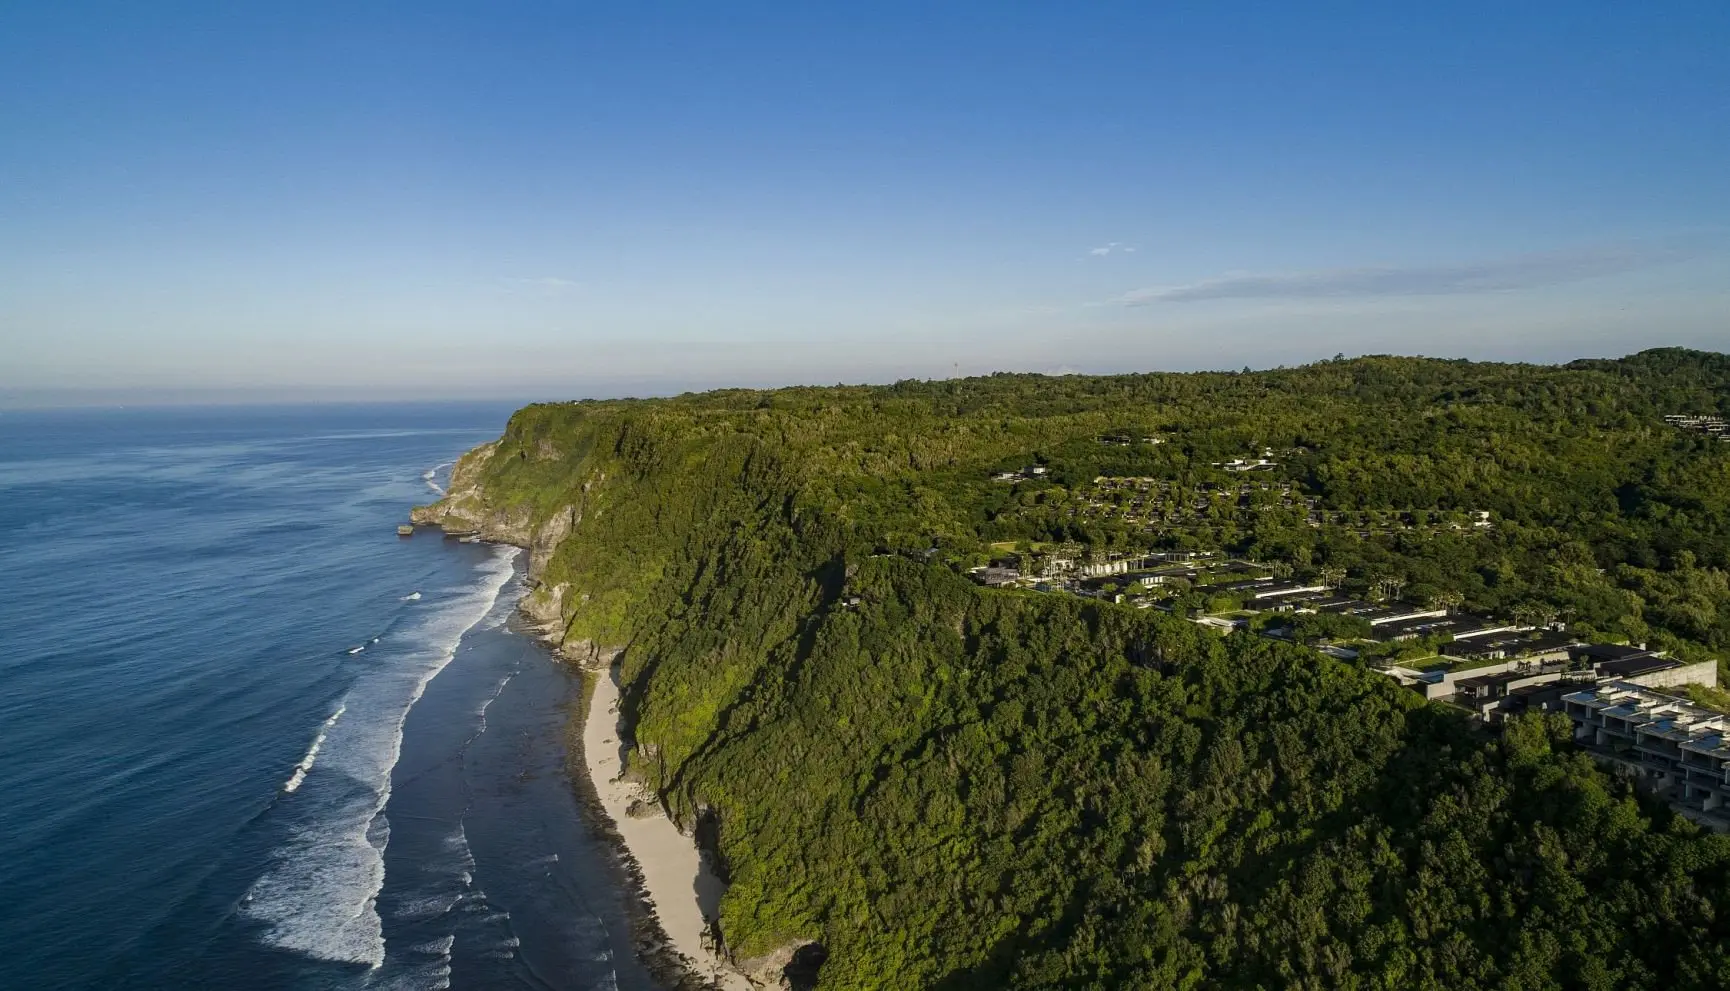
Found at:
[250, 737]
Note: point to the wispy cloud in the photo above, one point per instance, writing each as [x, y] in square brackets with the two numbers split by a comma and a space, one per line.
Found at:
[1111, 248]
[546, 284]
[1496, 275]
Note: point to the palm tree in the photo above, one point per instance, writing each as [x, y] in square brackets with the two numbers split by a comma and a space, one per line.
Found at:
[1534, 614]
[1386, 587]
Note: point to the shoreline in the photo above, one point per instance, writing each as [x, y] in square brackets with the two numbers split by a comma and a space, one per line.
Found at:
[665, 864]
[662, 869]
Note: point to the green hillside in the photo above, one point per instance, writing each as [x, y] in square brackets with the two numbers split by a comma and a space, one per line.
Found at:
[954, 787]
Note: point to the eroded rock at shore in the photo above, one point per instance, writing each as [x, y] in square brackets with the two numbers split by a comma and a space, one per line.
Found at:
[465, 508]
[544, 608]
[792, 967]
[590, 654]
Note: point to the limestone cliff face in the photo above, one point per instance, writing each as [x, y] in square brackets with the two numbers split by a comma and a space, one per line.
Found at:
[467, 508]
[590, 654]
[792, 967]
[548, 536]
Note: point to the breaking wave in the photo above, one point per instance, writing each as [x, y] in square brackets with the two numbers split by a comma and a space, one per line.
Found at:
[305, 764]
[430, 476]
[318, 896]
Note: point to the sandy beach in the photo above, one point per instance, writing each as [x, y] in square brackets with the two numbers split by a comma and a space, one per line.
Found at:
[678, 883]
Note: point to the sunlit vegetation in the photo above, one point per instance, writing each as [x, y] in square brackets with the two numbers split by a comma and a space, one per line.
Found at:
[954, 787]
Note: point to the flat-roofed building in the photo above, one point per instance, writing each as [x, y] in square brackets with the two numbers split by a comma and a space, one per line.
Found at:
[1494, 695]
[1547, 646]
[1400, 614]
[1669, 745]
[1603, 653]
[1342, 604]
[1268, 588]
[996, 577]
[1460, 627]
[1640, 665]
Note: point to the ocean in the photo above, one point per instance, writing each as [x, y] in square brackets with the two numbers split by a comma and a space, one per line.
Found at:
[250, 737]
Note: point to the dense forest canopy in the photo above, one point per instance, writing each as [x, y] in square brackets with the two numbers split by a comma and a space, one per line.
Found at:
[954, 787]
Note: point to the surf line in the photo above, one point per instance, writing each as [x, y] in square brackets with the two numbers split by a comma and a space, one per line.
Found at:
[305, 764]
[432, 473]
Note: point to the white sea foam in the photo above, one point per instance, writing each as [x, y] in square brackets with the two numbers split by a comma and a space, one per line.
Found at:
[430, 975]
[440, 947]
[462, 858]
[356, 650]
[411, 597]
[429, 907]
[498, 689]
[305, 764]
[430, 476]
[318, 895]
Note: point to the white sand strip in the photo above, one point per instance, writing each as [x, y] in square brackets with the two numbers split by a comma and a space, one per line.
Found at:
[673, 870]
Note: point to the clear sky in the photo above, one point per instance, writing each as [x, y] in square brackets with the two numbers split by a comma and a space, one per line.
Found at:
[282, 200]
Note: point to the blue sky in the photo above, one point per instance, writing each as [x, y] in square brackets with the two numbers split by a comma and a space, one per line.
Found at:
[545, 199]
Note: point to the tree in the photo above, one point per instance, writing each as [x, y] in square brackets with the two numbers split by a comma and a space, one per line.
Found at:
[1444, 599]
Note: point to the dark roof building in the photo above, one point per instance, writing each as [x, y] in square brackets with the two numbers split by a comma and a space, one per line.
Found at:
[1493, 646]
[1345, 606]
[1633, 667]
[1399, 613]
[1598, 653]
[997, 577]
[1267, 588]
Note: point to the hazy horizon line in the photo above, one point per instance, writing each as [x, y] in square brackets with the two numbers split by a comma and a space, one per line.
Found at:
[634, 387]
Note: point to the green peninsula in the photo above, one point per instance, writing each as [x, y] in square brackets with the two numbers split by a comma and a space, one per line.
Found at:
[1057, 784]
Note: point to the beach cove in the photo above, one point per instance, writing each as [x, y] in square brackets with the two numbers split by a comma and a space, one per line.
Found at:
[681, 890]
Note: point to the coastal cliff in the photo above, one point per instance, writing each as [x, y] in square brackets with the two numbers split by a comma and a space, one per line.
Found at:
[907, 780]
[468, 508]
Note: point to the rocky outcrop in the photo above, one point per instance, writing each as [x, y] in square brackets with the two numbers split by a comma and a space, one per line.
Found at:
[792, 967]
[467, 509]
[590, 654]
[548, 536]
[544, 609]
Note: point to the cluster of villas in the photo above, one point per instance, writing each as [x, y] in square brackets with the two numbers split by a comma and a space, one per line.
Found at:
[1667, 745]
[1388, 622]
[1536, 671]
[1702, 423]
[1492, 668]
[1263, 463]
[1162, 505]
[1066, 572]
[1022, 474]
